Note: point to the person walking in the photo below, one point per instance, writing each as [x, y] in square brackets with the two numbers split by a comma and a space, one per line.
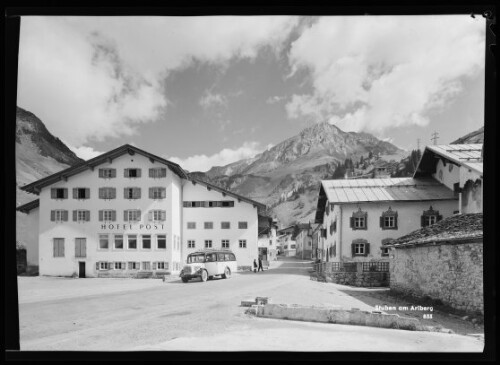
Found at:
[260, 264]
[254, 265]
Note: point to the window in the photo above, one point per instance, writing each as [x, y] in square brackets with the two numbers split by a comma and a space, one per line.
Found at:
[333, 227]
[157, 193]
[133, 265]
[430, 217]
[58, 247]
[225, 225]
[209, 225]
[208, 243]
[161, 265]
[157, 172]
[102, 265]
[191, 244]
[59, 193]
[107, 215]
[209, 204]
[118, 241]
[107, 193]
[242, 225]
[119, 266]
[81, 193]
[107, 173]
[81, 215]
[243, 243]
[146, 265]
[132, 173]
[132, 193]
[162, 242]
[132, 241]
[384, 251]
[389, 219]
[157, 215]
[359, 220]
[132, 215]
[360, 247]
[80, 247]
[59, 215]
[191, 225]
[225, 243]
[103, 241]
[146, 242]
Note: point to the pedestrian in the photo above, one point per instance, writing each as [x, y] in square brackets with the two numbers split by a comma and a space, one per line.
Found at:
[260, 264]
[254, 265]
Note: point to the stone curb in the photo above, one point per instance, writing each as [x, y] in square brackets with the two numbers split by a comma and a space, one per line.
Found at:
[335, 315]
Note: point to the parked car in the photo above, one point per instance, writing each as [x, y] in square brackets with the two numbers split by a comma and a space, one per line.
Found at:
[209, 263]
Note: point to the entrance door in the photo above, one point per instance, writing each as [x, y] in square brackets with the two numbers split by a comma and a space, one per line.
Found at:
[81, 269]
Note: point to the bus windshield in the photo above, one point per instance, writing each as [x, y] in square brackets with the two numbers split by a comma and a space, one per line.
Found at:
[196, 258]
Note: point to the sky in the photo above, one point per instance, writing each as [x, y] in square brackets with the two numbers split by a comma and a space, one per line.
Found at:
[207, 91]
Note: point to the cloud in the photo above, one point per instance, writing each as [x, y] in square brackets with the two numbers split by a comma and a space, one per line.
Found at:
[221, 158]
[275, 99]
[90, 78]
[84, 152]
[210, 99]
[375, 73]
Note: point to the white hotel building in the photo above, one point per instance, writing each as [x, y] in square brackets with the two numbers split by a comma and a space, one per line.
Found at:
[128, 211]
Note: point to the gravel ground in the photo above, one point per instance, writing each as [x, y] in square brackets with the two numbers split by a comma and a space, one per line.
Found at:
[134, 314]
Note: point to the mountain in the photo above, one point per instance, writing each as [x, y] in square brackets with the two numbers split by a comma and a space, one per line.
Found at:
[473, 137]
[38, 154]
[286, 177]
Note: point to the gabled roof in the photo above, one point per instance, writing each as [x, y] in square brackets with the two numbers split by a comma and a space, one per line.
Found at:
[35, 187]
[26, 208]
[230, 193]
[349, 191]
[458, 227]
[460, 154]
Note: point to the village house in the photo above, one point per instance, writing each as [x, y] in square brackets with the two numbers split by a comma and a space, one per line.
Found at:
[128, 211]
[303, 239]
[316, 235]
[359, 215]
[286, 243]
[267, 242]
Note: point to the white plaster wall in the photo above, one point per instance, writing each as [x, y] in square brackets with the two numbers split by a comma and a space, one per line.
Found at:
[91, 230]
[449, 178]
[409, 214]
[241, 212]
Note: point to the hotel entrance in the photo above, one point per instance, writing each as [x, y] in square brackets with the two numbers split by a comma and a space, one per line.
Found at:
[81, 269]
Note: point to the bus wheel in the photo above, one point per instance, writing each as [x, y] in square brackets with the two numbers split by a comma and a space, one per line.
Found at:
[227, 273]
[204, 275]
[185, 280]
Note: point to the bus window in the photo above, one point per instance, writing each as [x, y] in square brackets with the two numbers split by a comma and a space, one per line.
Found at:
[211, 257]
[232, 257]
[227, 257]
[220, 257]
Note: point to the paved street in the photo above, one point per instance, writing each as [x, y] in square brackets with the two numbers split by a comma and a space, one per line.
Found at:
[133, 314]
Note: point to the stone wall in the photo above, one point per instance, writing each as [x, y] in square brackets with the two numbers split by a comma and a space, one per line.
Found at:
[451, 273]
[355, 278]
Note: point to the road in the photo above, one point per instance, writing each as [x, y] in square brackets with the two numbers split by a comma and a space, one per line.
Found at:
[148, 314]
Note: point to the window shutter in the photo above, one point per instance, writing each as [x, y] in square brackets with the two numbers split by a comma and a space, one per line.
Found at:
[367, 249]
[381, 222]
[65, 215]
[75, 193]
[351, 222]
[150, 215]
[65, 194]
[422, 221]
[138, 267]
[101, 193]
[126, 172]
[352, 249]
[150, 193]
[113, 215]
[97, 265]
[61, 247]
[125, 193]
[53, 193]
[101, 173]
[154, 265]
[87, 215]
[125, 216]
[137, 193]
[163, 172]
[138, 172]
[151, 172]
[54, 245]
[101, 216]
[87, 193]
[163, 192]
[52, 215]
[163, 215]
[74, 216]
[438, 218]
[113, 193]
[396, 221]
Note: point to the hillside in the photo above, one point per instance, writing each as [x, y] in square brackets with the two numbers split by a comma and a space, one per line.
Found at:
[473, 137]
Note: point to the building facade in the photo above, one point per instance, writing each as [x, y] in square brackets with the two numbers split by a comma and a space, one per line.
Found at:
[359, 216]
[128, 211]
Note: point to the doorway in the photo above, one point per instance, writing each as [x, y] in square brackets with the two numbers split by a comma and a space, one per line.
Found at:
[81, 269]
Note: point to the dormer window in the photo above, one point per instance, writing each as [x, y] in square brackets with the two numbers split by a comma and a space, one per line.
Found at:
[389, 219]
[429, 217]
[359, 220]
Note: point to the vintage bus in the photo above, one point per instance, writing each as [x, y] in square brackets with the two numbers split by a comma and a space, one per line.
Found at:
[206, 264]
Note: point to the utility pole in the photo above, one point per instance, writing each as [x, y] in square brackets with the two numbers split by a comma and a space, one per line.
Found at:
[418, 144]
[435, 137]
